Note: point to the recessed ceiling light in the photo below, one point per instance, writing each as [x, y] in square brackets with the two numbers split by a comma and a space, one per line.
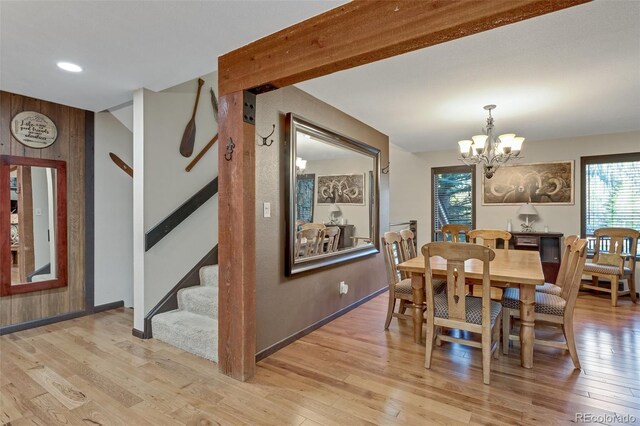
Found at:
[68, 66]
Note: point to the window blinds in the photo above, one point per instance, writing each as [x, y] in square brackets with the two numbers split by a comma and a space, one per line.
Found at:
[612, 192]
[453, 200]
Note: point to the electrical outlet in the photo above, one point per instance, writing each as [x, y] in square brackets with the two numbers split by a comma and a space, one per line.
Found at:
[266, 208]
[344, 288]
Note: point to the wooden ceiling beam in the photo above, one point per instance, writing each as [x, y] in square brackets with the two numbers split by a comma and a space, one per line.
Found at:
[362, 32]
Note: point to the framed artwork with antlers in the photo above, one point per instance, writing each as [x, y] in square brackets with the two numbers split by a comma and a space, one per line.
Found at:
[341, 189]
[535, 183]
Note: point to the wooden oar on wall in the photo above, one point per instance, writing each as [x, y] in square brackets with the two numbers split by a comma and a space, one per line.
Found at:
[201, 153]
[124, 166]
[189, 135]
[208, 146]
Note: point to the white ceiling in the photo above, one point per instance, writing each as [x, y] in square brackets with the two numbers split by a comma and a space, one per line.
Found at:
[570, 73]
[126, 45]
[573, 72]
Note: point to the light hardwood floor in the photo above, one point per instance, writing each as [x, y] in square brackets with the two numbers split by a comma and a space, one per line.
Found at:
[91, 371]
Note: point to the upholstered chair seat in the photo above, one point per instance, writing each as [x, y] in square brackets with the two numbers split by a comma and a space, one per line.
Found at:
[604, 269]
[549, 288]
[545, 303]
[404, 286]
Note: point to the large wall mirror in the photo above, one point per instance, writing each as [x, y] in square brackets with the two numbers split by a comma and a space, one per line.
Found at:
[33, 224]
[332, 195]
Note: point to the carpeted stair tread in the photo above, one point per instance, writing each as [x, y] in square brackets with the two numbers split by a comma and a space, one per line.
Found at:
[209, 276]
[202, 300]
[197, 334]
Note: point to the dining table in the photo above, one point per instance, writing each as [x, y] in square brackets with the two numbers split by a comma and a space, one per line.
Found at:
[509, 268]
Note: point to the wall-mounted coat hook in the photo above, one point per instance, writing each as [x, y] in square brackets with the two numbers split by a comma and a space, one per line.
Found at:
[230, 146]
[264, 138]
[385, 170]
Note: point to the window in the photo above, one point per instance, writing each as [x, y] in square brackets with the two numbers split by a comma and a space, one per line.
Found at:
[610, 194]
[454, 198]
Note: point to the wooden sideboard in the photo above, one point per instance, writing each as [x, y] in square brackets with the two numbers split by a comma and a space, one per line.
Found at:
[548, 244]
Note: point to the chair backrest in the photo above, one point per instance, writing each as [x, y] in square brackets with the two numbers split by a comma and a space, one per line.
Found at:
[489, 237]
[408, 245]
[615, 237]
[393, 256]
[573, 274]
[568, 241]
[306, 226]
[454, 231]
[332, 234]
[312, 243]
[456, 254]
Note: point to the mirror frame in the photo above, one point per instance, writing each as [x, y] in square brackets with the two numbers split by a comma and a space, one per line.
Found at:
[293, 124]
[6, 289]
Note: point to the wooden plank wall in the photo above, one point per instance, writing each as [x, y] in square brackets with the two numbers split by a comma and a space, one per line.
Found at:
[69, 147]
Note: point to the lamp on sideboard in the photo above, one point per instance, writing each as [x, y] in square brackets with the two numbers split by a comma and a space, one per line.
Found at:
[527, 210]
[334, 211]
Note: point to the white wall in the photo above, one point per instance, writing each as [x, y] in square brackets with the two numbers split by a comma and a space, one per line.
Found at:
[113, 218]
[164, 185]
[410, 178]
[409, 183]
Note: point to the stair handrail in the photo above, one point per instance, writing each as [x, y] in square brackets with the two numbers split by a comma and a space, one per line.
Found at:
[186, 209]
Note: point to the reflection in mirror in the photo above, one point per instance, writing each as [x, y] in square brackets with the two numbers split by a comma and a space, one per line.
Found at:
[33, 224]
[333, 196]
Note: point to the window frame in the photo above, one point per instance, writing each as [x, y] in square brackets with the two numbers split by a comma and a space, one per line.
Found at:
[598, 159]
[452, 169]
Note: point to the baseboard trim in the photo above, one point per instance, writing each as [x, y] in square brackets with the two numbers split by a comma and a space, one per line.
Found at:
[40, 322]
[137, 333]
[108, 306]
[170, 301]
[316, 325]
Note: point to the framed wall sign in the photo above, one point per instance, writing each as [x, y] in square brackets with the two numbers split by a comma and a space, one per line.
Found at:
[33, 129]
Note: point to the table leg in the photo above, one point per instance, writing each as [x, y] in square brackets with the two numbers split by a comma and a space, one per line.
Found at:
[417, 284]
[527, 322]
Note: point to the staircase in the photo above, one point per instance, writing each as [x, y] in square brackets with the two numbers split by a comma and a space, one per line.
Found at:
[193, 327]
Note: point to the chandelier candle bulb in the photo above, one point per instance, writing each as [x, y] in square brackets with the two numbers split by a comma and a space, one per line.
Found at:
[517, 145]
[465, 148]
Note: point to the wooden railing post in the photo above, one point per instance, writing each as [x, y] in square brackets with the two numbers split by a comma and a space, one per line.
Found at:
[236, 241]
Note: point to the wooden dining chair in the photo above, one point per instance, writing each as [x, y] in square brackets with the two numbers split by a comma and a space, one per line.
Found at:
[408, 244]
[454, 309]
[556, 288]
[611, 263]
[399, 284]
[490, 237]
[332, 236]
[308, 242]
[552, 309]
[399, 287]
[455, 232]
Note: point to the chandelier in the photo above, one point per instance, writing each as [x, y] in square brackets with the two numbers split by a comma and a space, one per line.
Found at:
[488, 150]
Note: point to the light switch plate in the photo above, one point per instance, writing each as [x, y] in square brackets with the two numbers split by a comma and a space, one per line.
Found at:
[267, 209]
